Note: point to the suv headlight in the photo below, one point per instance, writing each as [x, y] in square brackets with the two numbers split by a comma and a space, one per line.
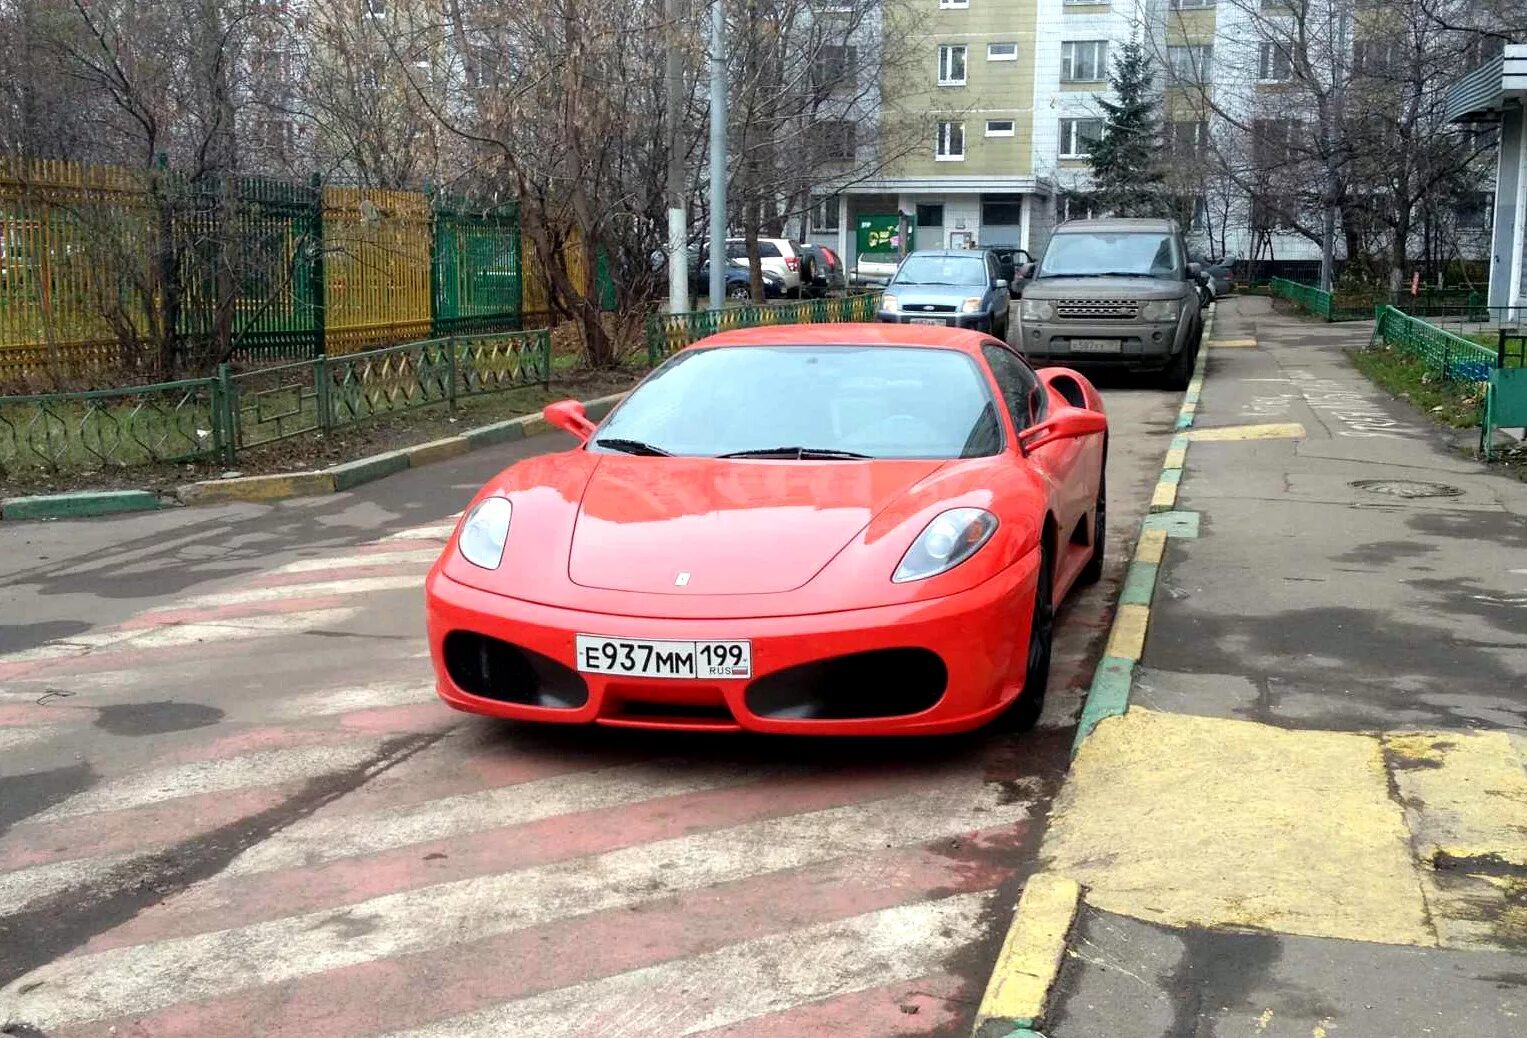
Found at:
[1161, 310]
[971, 306]
[889, 302]
[1037, 310]
[949, 540]
[484, 532]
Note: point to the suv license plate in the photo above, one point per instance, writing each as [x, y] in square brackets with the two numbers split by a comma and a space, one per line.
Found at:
[1097, 345]
[642, 658]
[927, 320]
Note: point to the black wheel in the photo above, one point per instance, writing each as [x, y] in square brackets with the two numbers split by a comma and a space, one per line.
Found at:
[1093, 571]
[739, 291]
[1023, 715]
[1180, 372]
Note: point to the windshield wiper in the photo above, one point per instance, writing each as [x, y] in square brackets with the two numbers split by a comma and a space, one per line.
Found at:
[615, 443]
[800, 454]
[1102, 274]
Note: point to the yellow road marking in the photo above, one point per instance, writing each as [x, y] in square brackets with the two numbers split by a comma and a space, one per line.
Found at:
[1236, 433]
[1151, 547]
[1232, 344]
[1127, 640]
[1165, 497]
[1199, 821]
[1031, 954]
[1176, 458]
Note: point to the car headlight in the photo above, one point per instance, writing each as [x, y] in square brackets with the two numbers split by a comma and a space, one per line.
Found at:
[1161, 310]
[971, 306]
[484, 532]
[889, 302]
[949, 540]
[1037, 310]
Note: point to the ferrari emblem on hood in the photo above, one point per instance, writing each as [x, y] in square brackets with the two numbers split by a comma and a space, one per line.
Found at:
[682, 580]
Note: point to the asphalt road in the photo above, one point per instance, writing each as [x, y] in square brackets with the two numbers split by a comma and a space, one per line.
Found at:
[227, 794]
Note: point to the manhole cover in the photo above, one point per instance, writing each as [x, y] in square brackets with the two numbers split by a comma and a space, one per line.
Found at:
[1406, 488]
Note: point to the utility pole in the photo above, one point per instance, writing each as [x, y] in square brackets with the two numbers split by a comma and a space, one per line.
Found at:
[717, 155]
[678, 218]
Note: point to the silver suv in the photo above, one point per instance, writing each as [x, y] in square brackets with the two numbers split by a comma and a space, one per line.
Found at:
[1114, 292]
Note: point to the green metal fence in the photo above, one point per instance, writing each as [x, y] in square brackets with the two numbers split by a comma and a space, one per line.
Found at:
[669, 332]
[214, 418]
[1452, 356]
[1320, 303]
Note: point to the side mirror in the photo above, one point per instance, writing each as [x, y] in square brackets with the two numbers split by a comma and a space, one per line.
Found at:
[1026, 271]
[1195, 272]
[569, 416]
[999, 284]
[1066, 423]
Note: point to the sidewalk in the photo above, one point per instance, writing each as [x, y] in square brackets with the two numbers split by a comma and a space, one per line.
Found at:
[1312, 821]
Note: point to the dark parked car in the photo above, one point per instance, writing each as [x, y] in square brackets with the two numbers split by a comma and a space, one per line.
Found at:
[739, 283]
[827, 274]
[1221, 274]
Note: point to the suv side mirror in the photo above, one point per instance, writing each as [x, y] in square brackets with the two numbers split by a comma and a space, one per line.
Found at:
[570, 416]
[999, 284]
[1026, 271]
[1195, 272]
[1065, 423]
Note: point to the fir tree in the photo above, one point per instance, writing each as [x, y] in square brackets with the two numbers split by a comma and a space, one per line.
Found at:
[1126, 159]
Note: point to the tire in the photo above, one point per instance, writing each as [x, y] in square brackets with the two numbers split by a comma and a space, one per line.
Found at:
[1024, 714]
[742, 292]
[1180, 372]
[1093, 571]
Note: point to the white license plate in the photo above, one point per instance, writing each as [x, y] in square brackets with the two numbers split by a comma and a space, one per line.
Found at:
[642, 658]
[927, 320]
[1097, 345]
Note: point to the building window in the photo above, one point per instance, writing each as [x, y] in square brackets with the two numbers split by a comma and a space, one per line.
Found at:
[930, 214]
[1190, 138]
[999, 127]
[376, 8]
[951, 142]
[835, 68]
[824, 213]
[951, 64]
[1073, 207]
[1475, 210]
[1083, 61]
[1002, 52]
[1275, 64]
[1077, 136]
[834, 140]
[953, 5]
[1191, 5]
[1002, 210]
[1191, 62]
[1379, 59]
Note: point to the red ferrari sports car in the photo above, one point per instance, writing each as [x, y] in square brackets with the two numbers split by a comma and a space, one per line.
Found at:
[821, 529]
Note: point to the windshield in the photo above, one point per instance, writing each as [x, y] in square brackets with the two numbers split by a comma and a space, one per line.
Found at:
[875, 401]
[1128, 254]
[943, 270]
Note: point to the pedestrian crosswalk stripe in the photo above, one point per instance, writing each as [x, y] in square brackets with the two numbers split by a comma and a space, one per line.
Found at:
[411, 557]
[323, 588]
[132, 980]
[739, 982]
[345, 700]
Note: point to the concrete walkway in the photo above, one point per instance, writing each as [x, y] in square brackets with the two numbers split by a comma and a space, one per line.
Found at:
[1312, 821]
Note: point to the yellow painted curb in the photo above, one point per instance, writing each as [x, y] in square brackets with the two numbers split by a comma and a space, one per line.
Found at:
[1236, 433]
[1127, 639]
[1031, 955]
[1165, 497]
[1151, 547]
[438, 450]
[257, 488]
[1176, 458]
[1233, 344]
[535, 425]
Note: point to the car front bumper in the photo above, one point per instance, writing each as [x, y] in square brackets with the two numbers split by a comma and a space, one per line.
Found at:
[1143, 345]
[978, 635]
[981, 322]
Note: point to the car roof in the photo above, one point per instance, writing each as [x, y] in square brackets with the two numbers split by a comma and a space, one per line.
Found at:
[959, 339]
[1117, 224]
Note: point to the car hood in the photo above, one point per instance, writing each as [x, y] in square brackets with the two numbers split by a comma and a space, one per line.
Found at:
[910, 297]
[1092, 288]
[715, 527]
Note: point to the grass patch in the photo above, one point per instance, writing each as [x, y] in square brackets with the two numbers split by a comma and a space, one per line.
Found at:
[1446, 401]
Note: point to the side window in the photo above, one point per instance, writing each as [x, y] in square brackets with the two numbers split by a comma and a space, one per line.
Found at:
[736, 250]
[1018, 385]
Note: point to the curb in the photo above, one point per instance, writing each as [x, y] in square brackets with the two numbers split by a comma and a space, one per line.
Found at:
[1029, 964]
[286, 485]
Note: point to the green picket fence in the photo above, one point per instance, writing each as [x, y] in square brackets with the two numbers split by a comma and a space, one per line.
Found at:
[667, 333]
[1320, 303]
[214, 418]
